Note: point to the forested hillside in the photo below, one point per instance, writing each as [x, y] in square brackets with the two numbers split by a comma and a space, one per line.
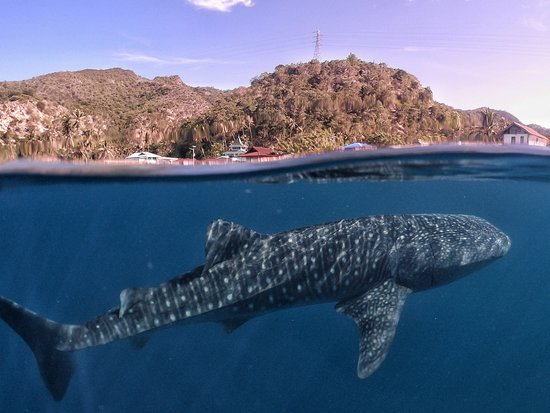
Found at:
[95, 114]
[314, 106]
[321, 106]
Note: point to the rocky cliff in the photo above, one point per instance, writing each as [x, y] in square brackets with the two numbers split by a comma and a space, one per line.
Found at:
[94, 114]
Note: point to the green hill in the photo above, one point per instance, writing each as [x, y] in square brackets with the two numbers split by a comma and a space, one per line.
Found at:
[315, 106]
[321, 106]
[95, 113]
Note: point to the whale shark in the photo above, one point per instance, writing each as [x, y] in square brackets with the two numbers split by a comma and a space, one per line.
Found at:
[367, 266]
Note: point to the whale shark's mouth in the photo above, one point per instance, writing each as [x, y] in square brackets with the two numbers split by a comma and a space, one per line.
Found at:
[448, 275]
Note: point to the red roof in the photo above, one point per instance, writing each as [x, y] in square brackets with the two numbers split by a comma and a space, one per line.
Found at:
[258, 151]
[527, 129]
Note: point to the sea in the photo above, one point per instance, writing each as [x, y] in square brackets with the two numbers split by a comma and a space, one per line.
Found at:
[72, 236]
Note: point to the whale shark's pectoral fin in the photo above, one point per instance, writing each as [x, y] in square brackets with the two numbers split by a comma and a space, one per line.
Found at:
[224, 239]
[376, 313]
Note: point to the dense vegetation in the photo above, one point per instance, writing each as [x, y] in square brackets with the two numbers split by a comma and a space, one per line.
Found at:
[315, 106]
[321, 106]
[94, 114]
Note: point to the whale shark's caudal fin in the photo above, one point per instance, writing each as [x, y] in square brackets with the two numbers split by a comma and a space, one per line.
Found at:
[376, 313]
[41, 335]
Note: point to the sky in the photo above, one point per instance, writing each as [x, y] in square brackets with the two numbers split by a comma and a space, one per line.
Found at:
[471, 53]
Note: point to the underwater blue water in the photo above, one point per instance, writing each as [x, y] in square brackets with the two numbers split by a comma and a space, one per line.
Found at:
[68, 247]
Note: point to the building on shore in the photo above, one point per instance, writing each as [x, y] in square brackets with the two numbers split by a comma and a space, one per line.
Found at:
[150, 158]
[259, 153]
[236, 149]
[519, 134]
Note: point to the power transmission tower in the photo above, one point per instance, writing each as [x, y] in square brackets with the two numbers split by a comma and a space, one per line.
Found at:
[317, 52]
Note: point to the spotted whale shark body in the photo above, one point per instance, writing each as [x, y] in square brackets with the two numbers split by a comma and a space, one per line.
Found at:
[368, 266]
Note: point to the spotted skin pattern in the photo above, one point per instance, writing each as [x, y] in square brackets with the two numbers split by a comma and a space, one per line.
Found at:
[368, 266]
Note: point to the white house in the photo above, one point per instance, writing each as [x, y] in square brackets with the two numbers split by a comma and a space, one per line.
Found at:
[518, 134]
[236, 149]
[151, 158]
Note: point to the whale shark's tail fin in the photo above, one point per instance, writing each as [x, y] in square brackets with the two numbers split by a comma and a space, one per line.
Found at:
[41, 335]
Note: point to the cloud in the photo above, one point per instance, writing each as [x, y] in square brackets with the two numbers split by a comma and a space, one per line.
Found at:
[220, 5]
[535, 24]
[176, 61]
[140, 58]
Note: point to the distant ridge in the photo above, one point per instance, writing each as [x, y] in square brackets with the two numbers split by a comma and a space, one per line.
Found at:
[540, 129]
[95, 114]
[314, 106]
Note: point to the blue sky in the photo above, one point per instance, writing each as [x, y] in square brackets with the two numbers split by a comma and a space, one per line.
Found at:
[471, 53]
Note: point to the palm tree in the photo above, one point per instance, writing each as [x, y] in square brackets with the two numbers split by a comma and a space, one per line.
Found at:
[102, 150]
[71, 126]
[250, 121]
[488, 127]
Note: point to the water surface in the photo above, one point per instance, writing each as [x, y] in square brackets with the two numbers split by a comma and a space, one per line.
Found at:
[72, 237]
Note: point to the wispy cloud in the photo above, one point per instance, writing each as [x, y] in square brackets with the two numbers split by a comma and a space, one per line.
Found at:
[536, 15]
[175, 61]
[220, 5]
[535, 24]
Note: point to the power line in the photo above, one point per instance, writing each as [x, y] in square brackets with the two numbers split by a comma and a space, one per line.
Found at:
[358, 41]
[317, 51]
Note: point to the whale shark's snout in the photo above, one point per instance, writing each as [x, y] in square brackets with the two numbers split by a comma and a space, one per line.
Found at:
[449, 248]
[502, 244]
[475, 240]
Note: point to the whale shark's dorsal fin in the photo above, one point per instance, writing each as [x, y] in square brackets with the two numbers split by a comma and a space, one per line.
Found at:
[130, 297]
[224, 239]
[376, 313]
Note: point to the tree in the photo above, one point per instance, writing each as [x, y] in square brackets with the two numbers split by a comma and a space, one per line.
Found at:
[488, 128]
[384, 139]
[71, 126]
